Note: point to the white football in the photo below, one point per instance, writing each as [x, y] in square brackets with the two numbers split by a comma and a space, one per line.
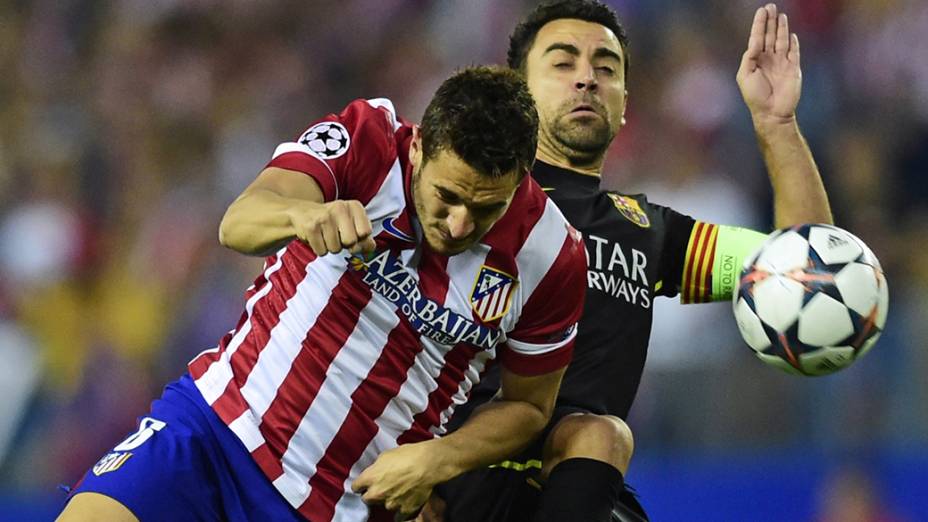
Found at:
[812, 300]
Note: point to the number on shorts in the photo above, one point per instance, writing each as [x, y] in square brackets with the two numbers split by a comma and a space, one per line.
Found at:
[147, 428]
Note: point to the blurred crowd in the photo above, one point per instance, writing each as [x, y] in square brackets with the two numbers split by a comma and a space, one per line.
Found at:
[127, 127]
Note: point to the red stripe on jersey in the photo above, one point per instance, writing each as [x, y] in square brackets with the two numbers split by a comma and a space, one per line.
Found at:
[457, 361]
[230, 405]
[562, 284]
[360, 425]
[198, 366]
[322, 343]
[371, 397]
[311, 166]
[268, 462]
[433, 275]
[695, 238]
[509, 233]
[266, 313]
[264, 317]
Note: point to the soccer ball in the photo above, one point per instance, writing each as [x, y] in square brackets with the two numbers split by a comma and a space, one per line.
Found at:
[811, 300]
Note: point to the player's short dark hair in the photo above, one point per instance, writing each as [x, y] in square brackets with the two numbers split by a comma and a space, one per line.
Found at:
[523, 36]
[487, 117]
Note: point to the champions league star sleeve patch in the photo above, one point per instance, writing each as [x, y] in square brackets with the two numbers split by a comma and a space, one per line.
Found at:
[630, 208]
[492, 293]
[327, 140]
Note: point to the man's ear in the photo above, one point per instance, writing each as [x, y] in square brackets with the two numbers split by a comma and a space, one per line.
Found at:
[415, 148]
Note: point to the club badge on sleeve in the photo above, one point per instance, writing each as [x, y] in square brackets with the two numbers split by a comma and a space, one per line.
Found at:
[630, 208]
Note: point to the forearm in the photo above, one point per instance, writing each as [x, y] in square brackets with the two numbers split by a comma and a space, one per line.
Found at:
[798, 193]
[258, 222]
[496, 431]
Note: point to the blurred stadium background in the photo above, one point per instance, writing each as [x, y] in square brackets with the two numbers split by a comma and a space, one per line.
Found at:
[127, 126]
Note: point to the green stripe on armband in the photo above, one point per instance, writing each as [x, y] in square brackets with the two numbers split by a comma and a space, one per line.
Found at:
[733, 246]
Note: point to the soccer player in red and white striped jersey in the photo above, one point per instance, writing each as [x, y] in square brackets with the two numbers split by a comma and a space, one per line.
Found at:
[401, 262]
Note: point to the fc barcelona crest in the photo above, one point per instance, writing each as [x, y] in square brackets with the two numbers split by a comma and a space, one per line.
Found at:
[630, 208]
[492, 293]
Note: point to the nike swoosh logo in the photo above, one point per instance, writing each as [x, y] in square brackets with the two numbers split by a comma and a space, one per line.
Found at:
[392, 230]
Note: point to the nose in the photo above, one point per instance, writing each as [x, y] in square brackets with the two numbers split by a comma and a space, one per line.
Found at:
[460, 222]
[586, 78]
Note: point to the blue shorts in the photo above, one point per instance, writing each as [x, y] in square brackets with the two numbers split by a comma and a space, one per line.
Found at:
[183, 463]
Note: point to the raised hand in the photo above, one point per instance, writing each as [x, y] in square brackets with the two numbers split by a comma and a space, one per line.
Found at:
[769, 77]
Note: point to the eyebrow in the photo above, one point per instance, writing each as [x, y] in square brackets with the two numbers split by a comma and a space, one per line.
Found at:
[493, 205]
[600, 52]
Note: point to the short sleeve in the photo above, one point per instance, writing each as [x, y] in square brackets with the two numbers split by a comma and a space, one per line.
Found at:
[347, 153]
[542, 341]
[678, 230]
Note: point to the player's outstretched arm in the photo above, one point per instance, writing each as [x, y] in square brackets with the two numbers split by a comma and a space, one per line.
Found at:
[282, 205]
[770, 80]
[402, 478]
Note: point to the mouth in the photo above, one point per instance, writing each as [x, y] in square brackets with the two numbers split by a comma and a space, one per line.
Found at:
[585, 110]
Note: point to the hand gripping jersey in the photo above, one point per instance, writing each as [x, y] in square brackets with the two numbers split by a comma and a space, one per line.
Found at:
[338, 358]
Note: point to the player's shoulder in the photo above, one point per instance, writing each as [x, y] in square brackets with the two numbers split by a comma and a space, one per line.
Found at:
[373, 122]
[377, 111]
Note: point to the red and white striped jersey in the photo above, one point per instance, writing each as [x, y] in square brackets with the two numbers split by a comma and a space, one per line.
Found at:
[337, 358]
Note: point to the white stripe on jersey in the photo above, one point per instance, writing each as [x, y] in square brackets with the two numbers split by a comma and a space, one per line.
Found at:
[386, 104]
[350, 506]
[538, 349]
[286, 338]
[471, 377]
[467, 262]
[292, 146]
[384, 203]
[347, 370]
[535, 259]
[332, 403]
[246, 428]
[213, 382]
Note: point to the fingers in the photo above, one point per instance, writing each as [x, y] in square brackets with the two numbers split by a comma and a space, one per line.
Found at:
[336, 226]
[347, 235]
[756, 40]
[361, 483]
[793, 55]
[782, 42]
[362, 228]
[770, 32]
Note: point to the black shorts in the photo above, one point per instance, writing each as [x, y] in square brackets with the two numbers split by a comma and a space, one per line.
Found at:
[511, 491]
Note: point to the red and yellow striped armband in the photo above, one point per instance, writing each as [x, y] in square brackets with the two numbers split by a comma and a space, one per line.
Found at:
[714, 256]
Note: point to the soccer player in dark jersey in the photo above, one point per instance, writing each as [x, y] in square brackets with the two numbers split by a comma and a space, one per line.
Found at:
[574, 55]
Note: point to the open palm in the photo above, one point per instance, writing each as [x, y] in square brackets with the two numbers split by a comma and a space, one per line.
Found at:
[769, 77]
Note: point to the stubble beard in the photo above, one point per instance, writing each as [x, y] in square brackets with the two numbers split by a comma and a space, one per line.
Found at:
[582, 141]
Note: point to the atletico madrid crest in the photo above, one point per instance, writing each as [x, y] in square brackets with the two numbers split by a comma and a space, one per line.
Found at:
[492, 293]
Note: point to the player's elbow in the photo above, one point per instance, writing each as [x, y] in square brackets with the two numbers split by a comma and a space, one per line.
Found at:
[233, 233]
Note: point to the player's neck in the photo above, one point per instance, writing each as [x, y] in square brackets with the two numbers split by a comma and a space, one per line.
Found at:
[593, 167]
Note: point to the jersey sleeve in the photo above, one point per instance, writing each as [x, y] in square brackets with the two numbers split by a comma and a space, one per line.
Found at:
[543, 339]
[702, 261]
[346, 153]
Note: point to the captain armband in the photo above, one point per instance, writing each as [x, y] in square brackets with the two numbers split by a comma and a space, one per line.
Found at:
[713, 262]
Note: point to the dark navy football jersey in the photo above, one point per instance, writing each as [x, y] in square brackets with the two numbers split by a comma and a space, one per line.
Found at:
[636, 251]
